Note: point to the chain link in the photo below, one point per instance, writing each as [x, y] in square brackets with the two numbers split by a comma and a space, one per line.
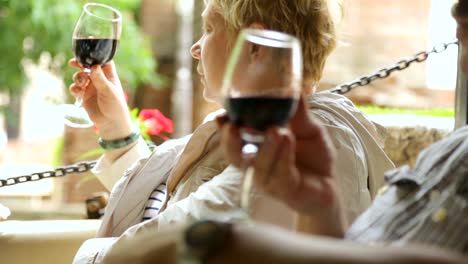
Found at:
[385, 72]
[382, 73]
[80, 167]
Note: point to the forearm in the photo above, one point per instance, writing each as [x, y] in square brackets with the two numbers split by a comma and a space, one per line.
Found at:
[264, 244]
[328, 220]
[111, 155]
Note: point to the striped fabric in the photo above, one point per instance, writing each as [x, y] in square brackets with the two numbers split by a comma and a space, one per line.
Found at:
[427, 205]
[155, 201]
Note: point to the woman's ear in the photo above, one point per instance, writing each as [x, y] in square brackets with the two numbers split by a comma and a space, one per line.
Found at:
[257, 26]
[256, 50]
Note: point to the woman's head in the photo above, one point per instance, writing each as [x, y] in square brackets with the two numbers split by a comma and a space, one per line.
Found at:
[309, 20]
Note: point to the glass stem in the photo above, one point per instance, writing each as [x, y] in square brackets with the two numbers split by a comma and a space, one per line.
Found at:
[246, 188]
[79, 97]
[249, 151]
[79, 100]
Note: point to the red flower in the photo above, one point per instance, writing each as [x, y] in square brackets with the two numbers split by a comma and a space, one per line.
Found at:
[155, 122]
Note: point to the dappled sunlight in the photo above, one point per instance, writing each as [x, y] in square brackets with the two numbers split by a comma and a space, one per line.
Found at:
[441, 71]
[30, 189]
[41, 117]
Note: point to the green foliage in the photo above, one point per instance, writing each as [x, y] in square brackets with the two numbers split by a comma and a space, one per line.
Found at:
[58, 151]
[439, 112]
[30, 28]
[91, 154]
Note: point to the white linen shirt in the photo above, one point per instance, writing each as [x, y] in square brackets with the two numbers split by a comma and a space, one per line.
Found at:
[360, 159]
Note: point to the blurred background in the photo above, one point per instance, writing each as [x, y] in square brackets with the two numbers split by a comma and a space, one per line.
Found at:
[157, 71]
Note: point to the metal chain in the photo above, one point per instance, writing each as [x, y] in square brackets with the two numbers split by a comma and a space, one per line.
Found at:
[386, 71]
[80, 167]
[382, 73]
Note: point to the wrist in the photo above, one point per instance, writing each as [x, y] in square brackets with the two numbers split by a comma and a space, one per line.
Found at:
[122, 142]
[116, 135]
[115, 129]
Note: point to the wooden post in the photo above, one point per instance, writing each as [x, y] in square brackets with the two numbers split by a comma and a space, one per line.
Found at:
[461, 96]
[159, 21]
[182, 96]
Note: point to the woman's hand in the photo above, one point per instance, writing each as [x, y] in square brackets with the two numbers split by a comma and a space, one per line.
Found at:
[294, 166]
[103, 99]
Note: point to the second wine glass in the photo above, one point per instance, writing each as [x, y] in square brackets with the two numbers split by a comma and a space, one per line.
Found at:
[95, 40]
[262, 85]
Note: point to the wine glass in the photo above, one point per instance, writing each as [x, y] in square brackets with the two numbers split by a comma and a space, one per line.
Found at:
[261, 88]
[94, 42]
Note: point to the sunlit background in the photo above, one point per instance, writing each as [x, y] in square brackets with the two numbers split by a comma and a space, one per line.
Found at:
[157, 70]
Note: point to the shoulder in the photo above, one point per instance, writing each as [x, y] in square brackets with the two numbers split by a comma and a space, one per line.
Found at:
[165, 155]
[170, 148]
[327, 99]
[331, 111]
[212, 116]
[335, 110]
[339, 112]
[173, 144]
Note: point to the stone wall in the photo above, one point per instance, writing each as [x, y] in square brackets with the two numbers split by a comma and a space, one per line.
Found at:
[403, 144]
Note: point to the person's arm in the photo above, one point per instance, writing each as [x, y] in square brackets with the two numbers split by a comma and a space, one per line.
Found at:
[257, 243]
[267, 244]
[214, 199]
[105, 103]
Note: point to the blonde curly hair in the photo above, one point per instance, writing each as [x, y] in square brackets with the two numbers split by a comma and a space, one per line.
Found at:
[311, 21]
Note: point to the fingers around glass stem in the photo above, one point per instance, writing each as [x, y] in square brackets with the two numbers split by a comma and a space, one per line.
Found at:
[82, 79]
[79, 99]
[87, 70]
[74, 114]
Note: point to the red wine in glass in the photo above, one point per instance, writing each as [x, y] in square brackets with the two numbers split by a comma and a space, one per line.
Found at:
[260, 113]
[94, 51]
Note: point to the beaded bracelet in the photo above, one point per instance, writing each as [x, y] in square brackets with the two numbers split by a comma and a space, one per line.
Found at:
[119, 143]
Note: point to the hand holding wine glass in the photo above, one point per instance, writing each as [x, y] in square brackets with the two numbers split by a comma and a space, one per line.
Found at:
[95, 40]
[262, 85]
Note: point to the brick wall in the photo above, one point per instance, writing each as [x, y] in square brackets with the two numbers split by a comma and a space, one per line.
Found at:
[377, 33]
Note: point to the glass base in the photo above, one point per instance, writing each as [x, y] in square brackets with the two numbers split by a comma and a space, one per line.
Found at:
[75, 116]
